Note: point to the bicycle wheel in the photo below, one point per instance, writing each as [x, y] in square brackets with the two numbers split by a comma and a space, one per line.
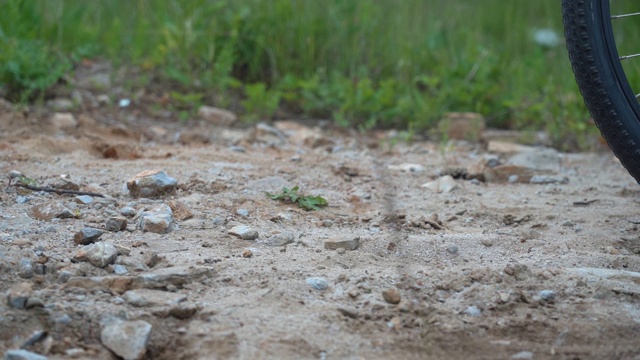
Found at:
[601, 77]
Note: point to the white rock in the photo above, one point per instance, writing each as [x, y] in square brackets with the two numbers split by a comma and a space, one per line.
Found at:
[444, 184]
[64, 121]
[407, 167]
[127, 339]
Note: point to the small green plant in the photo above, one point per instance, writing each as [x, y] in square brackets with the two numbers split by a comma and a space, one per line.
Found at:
[307, 202]
[29, 67]
[260, 103]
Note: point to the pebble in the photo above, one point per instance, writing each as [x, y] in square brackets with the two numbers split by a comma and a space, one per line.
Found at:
[452, 249]
[487, 242]
[547, 295]
[519, 271]
[244, 232]
[128, 211]
[180, 210]
[22, 199]
[538, 158]
[99, 254]
[336, 243]
[318, 283]
[281, 239]
[172, 276]
[18, 295]
[21, 354]
[159, 220]
[216, 116]
[473, 311]
[50, 210]
[151, 184]
[348, 312]
[127, 339]
[87, 236]
[392, 296]
[116, 223]
[183, 310]
[149, 297]
[25, 269]
[246, 253]
[120, 269]
[408, 168]
[243, 212]
[523, 355]
[83, 199]
[33, 302]
[548, 179]
[444, 184]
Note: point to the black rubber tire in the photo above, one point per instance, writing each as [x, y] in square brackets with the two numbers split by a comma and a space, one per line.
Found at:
[601, 79]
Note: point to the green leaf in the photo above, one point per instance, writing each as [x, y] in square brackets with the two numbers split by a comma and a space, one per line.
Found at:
[305, 202]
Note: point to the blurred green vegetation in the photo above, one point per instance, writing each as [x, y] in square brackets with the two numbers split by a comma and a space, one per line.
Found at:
[363, 63]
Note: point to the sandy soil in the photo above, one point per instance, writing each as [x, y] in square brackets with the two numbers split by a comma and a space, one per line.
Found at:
[471, 282]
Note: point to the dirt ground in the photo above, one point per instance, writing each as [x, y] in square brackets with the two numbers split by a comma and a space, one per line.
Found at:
[504, 270]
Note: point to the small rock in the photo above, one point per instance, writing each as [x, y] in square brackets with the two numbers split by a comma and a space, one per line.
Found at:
[61, 104]
[548, 179]
[327, 223]
[87, 236]
[116, 223]
[18, 295]
[151, 183]
[452, 249]
[318, 283]
[21, 354]
[157, 220]
[247, 253]
[408, 168]
[487, 242]
[523, 355]
[504, 297]
[508, 173]
[341, 251]
[348, 312]
[392, 296]
[183, 310]
[99, 254]
[128, 211]
[172, 276]
[127, 339]
[336, 243]
[180, 211]
[83, 199]
[243, 212]
[473, 311]
[539, 158]
[244, 232]
[34, 302]
[148, 297]
[547, 295]
[63, 121]
[519, 271]
[50, 210]
[444, 184]
[281, 239]
[22, 199]
[25, 269]
[217, 116]
[282, 217]
[120, 269]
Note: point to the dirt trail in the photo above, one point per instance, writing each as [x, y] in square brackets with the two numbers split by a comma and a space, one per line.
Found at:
[502, 271]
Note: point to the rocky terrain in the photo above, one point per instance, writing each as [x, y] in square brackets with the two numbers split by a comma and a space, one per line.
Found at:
[126, 237]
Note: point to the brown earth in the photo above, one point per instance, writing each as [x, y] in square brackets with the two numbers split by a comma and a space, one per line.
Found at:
[469, 279]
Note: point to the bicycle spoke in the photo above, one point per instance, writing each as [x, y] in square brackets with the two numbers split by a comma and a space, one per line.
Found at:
[628, 56]
[625, 15]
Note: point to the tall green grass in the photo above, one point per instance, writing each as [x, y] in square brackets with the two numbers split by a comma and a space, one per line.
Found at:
[364, 63]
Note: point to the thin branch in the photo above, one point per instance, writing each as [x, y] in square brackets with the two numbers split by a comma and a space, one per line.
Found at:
[57, 191]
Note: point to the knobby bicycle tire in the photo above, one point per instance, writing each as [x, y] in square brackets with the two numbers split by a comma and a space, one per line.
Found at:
[601, 78]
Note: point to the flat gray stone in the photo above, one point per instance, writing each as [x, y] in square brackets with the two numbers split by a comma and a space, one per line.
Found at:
[23, 355]
[244, 232]
[127, 339]
[50, 210]
[176, 276]
[344, 243]
[87, 236]
[149, 297]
